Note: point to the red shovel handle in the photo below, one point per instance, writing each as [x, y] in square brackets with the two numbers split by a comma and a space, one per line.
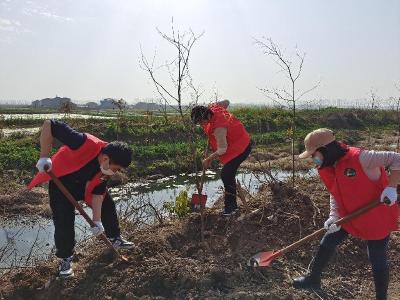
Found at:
[265, 258]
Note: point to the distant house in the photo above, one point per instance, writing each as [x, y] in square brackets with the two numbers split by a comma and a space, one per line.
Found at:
[107, 103]
[147, 106]
[56, 103]
[92, 105]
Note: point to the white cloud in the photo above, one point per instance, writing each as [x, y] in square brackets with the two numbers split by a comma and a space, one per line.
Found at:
[41, 11]
[9, 25]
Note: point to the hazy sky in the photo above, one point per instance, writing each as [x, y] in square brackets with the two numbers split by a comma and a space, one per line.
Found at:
[90, 49]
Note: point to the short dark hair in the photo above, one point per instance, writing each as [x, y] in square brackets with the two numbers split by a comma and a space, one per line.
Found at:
[119, 153]
[200, 113]
[332, 153]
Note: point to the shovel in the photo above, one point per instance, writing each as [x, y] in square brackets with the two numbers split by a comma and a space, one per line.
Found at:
[264, 259]
[199, 200]
[71, 199]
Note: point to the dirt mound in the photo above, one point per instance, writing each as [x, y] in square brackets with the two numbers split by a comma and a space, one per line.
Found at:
[347, 120]
[172, 263]
[16, 199]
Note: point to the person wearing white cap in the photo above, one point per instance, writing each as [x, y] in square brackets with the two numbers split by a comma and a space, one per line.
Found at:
[354, 177]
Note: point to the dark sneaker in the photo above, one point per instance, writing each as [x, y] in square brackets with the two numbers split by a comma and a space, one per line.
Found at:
[65, 267]
[120, 243]
[230, 212]
[307, 282]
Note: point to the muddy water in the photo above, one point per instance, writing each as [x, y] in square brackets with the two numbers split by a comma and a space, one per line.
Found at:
[22, 242]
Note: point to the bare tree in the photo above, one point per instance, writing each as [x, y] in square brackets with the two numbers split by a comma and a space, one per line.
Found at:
[180, 85]
[177, 68]
[372, 106]
[397, 103]
[285, 97]
[374, 99]
[121, 106]
[2, 118]
[66, 108]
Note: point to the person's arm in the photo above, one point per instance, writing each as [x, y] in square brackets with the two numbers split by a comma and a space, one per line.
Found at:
[222, 146]
[224, 103]
[97, 202]
[67, 135]
[329, 224]
[377, 159]
[371, 159]
[55, 129]
[334, 211]
[46, 139]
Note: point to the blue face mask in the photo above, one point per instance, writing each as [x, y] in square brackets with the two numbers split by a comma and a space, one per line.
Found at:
[317, 161]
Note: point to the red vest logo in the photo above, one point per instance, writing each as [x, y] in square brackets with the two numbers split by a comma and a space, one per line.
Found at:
[350, 172]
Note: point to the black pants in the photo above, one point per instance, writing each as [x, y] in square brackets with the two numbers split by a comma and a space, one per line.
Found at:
[377, 249]
[228, 176]
[64, 220]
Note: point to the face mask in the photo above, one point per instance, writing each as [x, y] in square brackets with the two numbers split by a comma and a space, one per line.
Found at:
[317, 161]
[106, 171]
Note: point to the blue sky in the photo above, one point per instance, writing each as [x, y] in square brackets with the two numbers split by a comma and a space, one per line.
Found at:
[90, 49]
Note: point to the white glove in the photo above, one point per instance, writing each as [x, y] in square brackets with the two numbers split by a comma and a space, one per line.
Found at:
[98, 229]
[389, 193]
[330, 225]
[42, 162]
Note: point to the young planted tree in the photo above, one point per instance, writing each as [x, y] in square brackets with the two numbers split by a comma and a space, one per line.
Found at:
[397, 105]
[2, 118]
[121, 106]
[172, 92]
[66, 108]
[289, 95]
[372, 107]
[178, 87]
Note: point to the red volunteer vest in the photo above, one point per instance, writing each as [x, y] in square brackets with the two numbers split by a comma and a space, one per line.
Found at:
[66, 161]
[237, 137]
[352, 188]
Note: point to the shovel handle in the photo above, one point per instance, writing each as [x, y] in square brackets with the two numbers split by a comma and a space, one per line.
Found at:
[71, 199]
[341, 221]
[203, 174]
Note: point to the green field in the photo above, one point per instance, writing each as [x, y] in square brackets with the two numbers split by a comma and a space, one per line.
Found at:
[161, 146]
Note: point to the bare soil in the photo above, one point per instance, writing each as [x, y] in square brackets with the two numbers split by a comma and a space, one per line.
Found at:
[17, 200]
[170, 261]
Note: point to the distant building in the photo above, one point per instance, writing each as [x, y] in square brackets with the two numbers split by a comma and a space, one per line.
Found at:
[56, 103]
[107, 103]
[147, 106]
[92, 105]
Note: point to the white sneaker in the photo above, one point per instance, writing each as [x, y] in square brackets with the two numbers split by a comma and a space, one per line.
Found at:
[120, 243]
[65, 267]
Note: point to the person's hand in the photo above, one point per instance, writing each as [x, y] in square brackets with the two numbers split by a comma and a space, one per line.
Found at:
[389, 193]
[206, 163]
[42, 162]
[330, 225]
[98, 229]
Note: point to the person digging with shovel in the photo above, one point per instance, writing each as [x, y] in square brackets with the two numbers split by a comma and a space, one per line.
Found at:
[83, 164]
[230, 142]
[354, 177]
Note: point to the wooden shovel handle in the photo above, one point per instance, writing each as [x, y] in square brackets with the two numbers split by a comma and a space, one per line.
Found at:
[203, 174]
[71, 199]
[321, 231]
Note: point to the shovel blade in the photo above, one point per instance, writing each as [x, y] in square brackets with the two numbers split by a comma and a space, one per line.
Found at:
[199, 199]
[262, 259]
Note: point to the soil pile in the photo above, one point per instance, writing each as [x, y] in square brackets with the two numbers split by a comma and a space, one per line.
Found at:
[16, 199]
